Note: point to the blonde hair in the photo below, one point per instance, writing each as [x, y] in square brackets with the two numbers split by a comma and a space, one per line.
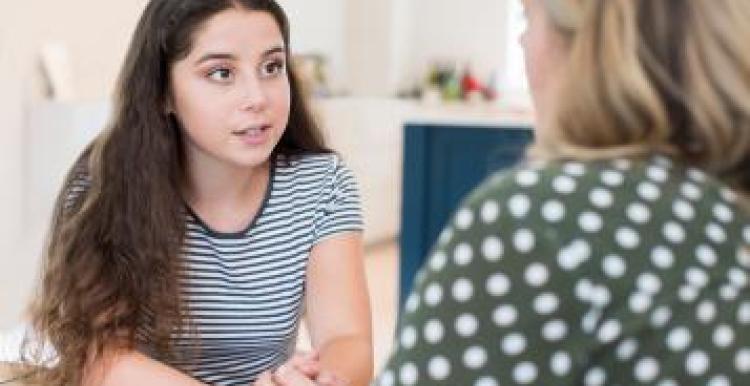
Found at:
[647, 76]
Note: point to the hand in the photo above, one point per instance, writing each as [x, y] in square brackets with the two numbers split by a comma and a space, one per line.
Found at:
[300, 370]
[327, 378]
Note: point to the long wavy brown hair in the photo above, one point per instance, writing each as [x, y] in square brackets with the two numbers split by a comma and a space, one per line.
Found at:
[648, 76]
[113, 251]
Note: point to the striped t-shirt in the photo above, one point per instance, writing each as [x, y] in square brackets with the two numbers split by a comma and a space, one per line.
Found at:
[245, 290]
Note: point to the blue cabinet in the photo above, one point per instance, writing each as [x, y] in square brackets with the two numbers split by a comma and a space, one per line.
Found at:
[442, 163]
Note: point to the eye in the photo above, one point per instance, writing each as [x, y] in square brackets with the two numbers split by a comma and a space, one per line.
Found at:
[272, 68]
[221, 75]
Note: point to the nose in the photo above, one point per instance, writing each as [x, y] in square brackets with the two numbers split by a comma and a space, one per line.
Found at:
[253, 95]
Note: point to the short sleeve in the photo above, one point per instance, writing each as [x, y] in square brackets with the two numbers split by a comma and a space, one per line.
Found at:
[339, 209]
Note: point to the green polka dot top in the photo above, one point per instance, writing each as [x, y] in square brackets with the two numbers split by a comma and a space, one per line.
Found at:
[605, 273]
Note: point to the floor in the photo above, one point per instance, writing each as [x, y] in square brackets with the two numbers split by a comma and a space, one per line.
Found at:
[381, 265]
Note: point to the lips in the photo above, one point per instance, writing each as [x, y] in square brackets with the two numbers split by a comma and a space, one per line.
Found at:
[253, 135]
[252, 130]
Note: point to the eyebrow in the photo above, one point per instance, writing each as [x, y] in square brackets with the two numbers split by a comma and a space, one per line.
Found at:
[229, 56]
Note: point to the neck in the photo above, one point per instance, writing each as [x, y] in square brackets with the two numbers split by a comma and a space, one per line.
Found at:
[215, 183]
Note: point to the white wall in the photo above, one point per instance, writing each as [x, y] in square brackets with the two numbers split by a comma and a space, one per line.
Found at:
[97, 45]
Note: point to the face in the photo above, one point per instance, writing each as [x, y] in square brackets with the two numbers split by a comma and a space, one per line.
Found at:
[544, 52]
[231, 93]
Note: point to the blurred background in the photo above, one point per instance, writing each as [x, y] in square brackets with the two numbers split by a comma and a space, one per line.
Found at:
[410, 92]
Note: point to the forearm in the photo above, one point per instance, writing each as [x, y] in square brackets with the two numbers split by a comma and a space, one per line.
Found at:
[349, 357]
[132, 368]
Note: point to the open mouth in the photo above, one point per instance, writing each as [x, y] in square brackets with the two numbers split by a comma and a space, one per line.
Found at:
[252, 131]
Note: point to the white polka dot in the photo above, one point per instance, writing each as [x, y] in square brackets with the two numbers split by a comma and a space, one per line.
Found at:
[737, 277]
[527, 178]
[433, 331]
[590, 222]
[662, 161]
[742, 360]
[646, 370]
[679, 339]
[446, 235]
[475, 357]
[412, 303]
[600, 296]
[564, 184]
[433, 294]
[525, 373]
[657, 173]
[523, 241]
[728, 293]
[554, 330]
[696, 175]
[683, 210]
[464, 218]
[574, 168]
[498, 284]
[408, 337]
[626, 349]
[591, 320]
[514, 344]
[439, 368]
[660, 317]
[490, 211]
[462, 290]
[728, 195]
[696, 277]
[639, 302]
[719, 380]
[667, 382]
[387, 379]
[546, 303]
[612, 178]
[648, 191]
[438, 261]
[662, 257]
[583, 290]
[674, 232]
[622, 164]
[463, 254]
[723, 336]
[627, 238]
[537, 275]
[716, 233]
[743, 313]
[519, 205]
[614, 266]
[466, 325]
[492, 248]
[746, 234]
[687, 293]
[706, 255]
[505, 315]
[573, 255]
[697, 363]
[601, 198]
[649, 283]
[595, 377]
[723, 213]
[743, 256]
[638, 213]
[409, 374]
[691, 191]
[609, 331]
[705, 312]
[560, 363]
[486, 381]
[553, 211]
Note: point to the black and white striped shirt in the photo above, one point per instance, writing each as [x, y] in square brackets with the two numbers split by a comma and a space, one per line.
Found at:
[245, 291]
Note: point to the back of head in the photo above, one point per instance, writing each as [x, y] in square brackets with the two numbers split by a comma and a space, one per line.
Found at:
[646, 76]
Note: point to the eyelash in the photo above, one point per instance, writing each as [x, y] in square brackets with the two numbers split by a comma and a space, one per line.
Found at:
[278, 67]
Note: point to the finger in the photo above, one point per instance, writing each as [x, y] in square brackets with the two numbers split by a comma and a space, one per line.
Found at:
[327, 378]
[264, 379]
[306, 364]
[288, 375]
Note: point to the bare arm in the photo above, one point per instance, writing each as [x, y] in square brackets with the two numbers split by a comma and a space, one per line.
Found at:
[338, 308]
[132, 368]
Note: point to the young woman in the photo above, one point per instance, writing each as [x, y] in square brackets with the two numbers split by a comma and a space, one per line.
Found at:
[192, 235]
[621, 254]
